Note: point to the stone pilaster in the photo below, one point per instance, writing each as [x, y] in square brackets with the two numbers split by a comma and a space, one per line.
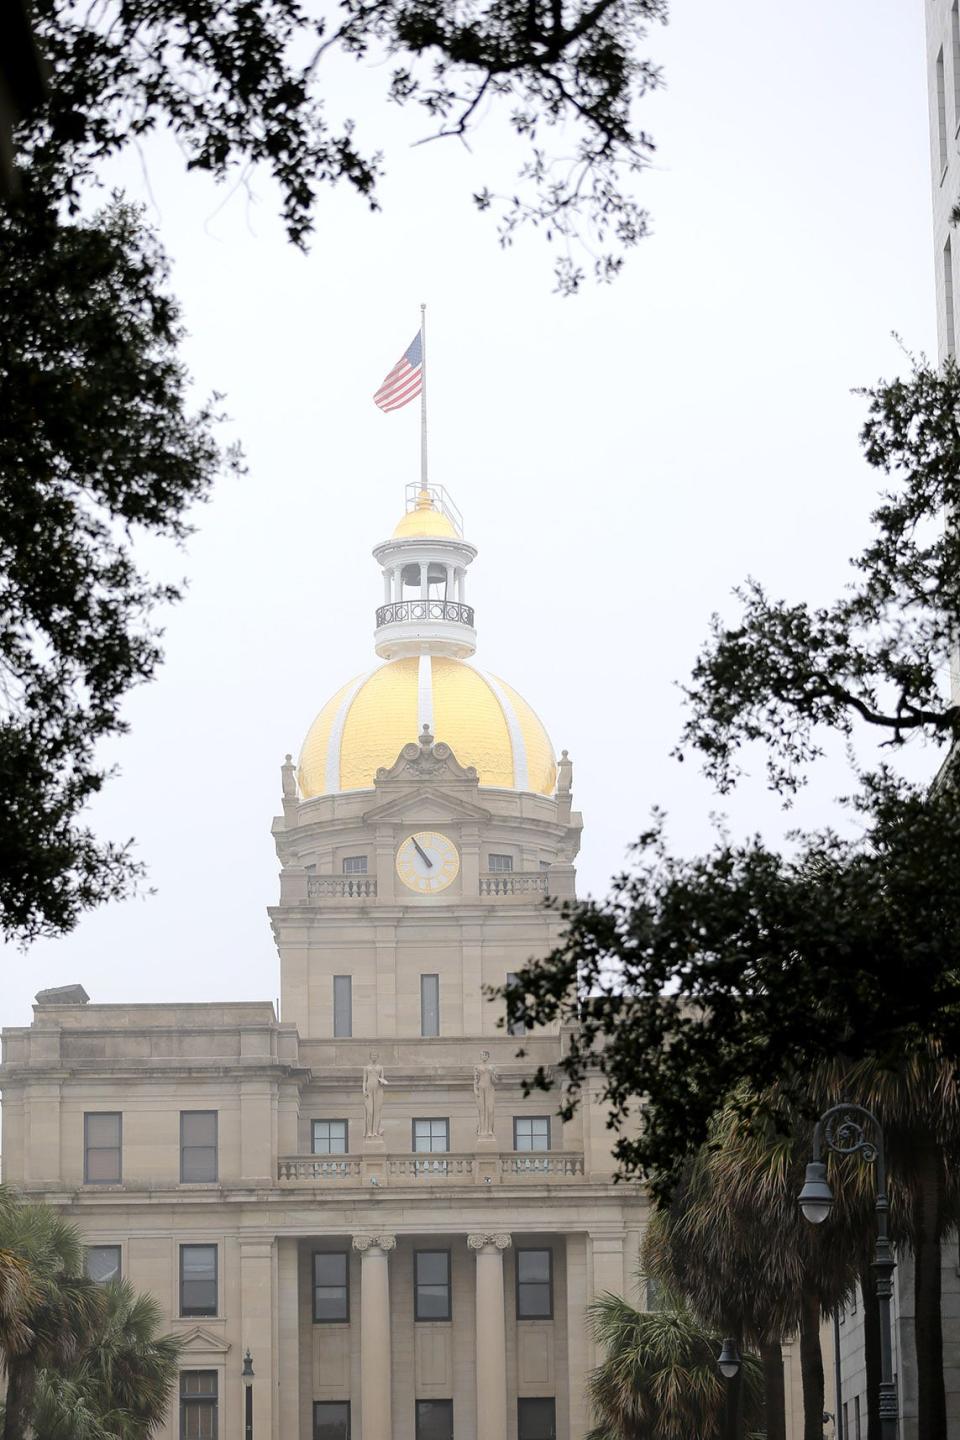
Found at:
[375, 1366]
[491, 1335]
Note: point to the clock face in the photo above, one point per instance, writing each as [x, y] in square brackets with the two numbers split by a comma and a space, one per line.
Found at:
[428, 862]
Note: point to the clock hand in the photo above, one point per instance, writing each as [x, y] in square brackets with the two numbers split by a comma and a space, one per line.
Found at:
[422, 853]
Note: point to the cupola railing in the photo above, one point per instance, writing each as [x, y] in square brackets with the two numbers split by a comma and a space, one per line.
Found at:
[401, 610]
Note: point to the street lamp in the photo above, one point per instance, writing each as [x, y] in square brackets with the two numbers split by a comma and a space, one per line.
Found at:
[246, 1376]
[729, 1360]
[851, 1130]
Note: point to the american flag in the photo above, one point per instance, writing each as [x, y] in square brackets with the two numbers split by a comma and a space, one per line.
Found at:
[405, 380]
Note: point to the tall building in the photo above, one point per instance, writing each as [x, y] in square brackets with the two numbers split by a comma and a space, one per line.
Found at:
[360, 1192]
[943, 90]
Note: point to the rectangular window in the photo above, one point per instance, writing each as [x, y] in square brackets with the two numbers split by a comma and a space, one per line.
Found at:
[431, 1137]
[102, 1263]
[198, 1279]
[198, 1405]
[330, 1137]
[431, 1285]
[355, 865]
[434, 1420]
[342, 1006]
[537, 1419]
[331, 1420]
[941, 113]
[856, 1418]
[331, 1286]
[517, 1027]
[102, 1148]
[950, 334]
[534, 1284]
[429, 1004]
[198, 1146]
[500, 864]
[531, 1132]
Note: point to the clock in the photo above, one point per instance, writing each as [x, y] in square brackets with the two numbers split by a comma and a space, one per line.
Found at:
[428, 862]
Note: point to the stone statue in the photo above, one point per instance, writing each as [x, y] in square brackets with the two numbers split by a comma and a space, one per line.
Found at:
[288, 777]
[564, 774]
[484, 1080]
[373, 1086]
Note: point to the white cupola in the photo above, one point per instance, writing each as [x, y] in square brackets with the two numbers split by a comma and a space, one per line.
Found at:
[424, 564]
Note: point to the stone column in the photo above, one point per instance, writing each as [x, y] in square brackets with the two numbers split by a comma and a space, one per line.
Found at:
[288, 1337]
[256, 1332]
[424, 580]
[375, 1370]
[491, 1336]
[387, 586]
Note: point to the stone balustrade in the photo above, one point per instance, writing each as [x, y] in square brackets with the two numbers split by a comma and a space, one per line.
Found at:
[518, 1166]
[514, 882]
[343, 887]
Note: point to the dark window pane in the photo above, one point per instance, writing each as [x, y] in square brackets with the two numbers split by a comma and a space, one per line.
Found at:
[198, 1127]
[198, 1382]
[198, 1146]
[434, 1420]
[198, 1279]
[432, 1285]
[103, 1131]
[198, 1405]
[198, 1163]
[331, 1420]
[330, 1269]
[355, 865]
[103, 1263]
[331, 1295]
[536, 1420]
[433, 1267]
[429, 1004]
[534, 1285]
[103, 1166]
[501, 864]
[342, 1005]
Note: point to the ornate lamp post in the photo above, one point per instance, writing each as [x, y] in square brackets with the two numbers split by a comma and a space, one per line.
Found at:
[729, 1361]
[852, 1130]
[246, 1376]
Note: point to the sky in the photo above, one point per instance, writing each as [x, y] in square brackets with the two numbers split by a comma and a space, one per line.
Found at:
[622, 458]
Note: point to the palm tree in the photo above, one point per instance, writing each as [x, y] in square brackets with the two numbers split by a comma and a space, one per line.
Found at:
[128, 1374]
[733, 1243]
[60, 1311]
[659, 1378]
[917, 1102]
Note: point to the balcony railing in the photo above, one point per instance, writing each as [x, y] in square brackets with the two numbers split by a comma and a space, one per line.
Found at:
[514, 882]
[346, 887]
[331, 1168]
[403, 610]
[541, 1164]
[430, 1167]
[466, 1168]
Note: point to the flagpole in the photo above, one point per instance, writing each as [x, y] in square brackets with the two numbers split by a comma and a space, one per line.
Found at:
[423, 397]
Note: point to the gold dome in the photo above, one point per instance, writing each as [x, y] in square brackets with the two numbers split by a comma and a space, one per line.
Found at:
[484, 721]
[425, 521]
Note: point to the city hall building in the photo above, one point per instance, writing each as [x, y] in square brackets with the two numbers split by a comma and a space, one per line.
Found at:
[359, 1193]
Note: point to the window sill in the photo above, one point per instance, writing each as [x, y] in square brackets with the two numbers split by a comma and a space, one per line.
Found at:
[344, 1324]
[195, 1319]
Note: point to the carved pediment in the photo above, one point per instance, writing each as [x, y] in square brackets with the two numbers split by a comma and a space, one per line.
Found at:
[426, 806]
[203, 1341]
[428, 759]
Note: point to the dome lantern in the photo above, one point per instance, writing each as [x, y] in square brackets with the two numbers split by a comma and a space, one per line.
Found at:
[424, 565]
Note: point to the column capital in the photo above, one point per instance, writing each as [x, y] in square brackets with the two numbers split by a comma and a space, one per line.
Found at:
[363, 1243]
[483, 1240]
